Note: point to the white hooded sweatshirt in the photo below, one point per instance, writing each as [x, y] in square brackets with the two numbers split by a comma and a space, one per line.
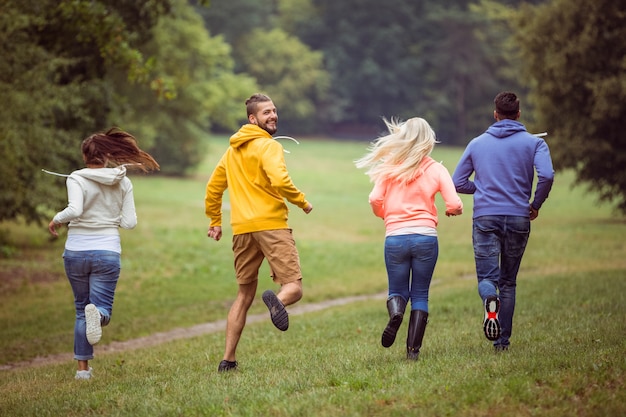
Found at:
[100, 201]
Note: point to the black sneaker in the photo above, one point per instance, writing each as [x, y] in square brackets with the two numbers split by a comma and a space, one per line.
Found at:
[279, 315]
[500, 348]
[227, 366]
[491, 325]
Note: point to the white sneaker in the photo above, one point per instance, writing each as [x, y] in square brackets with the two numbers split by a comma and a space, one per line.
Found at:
[94, 328]
[84, 374]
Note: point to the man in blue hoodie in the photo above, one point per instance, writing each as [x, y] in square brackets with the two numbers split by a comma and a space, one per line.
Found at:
[503, 160]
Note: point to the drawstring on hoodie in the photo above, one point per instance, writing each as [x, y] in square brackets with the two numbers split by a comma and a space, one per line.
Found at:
[67, 175]
[54, 173]
[287, 137]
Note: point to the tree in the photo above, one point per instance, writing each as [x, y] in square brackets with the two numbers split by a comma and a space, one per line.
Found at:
[195, 74]
[405, 58]
[284, 68]
[72, 67]
[462, 71]
[574, 54]
[53, 58]
[440, 60]
[367, 48]
[290, 73]
[236, 18]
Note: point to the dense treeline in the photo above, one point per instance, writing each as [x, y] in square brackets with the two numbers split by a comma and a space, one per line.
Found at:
[575, 64]
[170, 71]
[441, 60]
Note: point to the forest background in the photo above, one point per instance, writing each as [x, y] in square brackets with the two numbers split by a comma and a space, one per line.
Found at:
[173, 71]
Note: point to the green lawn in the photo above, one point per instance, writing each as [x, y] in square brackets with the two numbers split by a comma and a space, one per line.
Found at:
[568, 348]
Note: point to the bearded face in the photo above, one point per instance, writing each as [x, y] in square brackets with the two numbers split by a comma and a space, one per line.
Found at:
[266, 117]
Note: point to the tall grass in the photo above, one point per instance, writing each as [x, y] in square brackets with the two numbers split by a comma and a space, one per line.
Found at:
[567, 354]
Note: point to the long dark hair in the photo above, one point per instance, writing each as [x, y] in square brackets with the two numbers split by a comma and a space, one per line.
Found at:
[114, 148]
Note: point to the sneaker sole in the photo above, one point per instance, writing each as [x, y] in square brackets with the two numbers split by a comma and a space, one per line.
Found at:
[491, 324]
[279, 315]
[94, 328]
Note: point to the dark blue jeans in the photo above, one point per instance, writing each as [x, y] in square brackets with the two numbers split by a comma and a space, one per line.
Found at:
[410, 262]
[93, 275]
[499, 244]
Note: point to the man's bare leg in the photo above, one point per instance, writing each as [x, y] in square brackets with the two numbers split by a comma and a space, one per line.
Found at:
[290, 293]
[237, 318]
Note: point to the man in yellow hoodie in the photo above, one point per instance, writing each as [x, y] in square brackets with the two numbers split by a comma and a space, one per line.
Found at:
[253, 169]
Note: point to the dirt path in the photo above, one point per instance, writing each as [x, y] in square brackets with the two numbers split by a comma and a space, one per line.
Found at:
[185, 333]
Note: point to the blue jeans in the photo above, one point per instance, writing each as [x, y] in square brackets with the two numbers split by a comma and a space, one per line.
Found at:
[410, 261]
[499, 244]
[93, 275]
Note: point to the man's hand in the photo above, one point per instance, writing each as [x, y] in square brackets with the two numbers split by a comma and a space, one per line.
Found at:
[308, 208]
[533, 213]
[215, 233]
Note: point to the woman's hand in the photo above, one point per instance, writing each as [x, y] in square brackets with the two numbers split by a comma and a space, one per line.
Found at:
[52, 228]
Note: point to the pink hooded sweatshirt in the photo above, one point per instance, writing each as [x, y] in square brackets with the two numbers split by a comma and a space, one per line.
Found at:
[413, 204]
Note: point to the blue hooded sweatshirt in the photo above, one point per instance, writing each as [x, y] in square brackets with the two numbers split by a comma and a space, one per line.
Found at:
[504, 160]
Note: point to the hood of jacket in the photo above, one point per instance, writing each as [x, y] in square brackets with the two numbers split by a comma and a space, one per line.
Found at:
[427, 162]
[247, 133]
[106, 176]
[505, 128]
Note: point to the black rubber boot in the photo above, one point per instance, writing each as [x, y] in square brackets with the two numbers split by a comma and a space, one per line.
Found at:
[417, 326]
[396, 306]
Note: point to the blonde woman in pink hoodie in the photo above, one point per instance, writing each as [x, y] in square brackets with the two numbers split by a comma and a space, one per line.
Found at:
[406, 180]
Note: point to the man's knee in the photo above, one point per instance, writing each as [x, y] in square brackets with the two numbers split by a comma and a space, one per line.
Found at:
[297, 288]
[247, 292]
[291, 292]
[297, 294]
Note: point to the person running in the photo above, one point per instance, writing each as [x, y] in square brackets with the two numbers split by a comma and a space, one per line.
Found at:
[100, 201]
[503, 160]
[253, 169]
[406, 180]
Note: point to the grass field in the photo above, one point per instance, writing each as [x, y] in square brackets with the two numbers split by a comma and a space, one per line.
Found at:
[568, 348]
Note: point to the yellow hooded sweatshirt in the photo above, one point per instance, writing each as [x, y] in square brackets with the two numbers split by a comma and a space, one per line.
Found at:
[254, 170]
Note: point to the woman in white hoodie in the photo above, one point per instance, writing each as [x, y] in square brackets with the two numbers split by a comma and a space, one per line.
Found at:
[100, 201]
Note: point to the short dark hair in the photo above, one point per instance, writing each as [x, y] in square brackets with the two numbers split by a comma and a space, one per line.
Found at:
[507, 104]
[255, 99]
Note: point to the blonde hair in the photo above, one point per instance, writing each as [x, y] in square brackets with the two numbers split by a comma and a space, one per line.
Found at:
[399, 154]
